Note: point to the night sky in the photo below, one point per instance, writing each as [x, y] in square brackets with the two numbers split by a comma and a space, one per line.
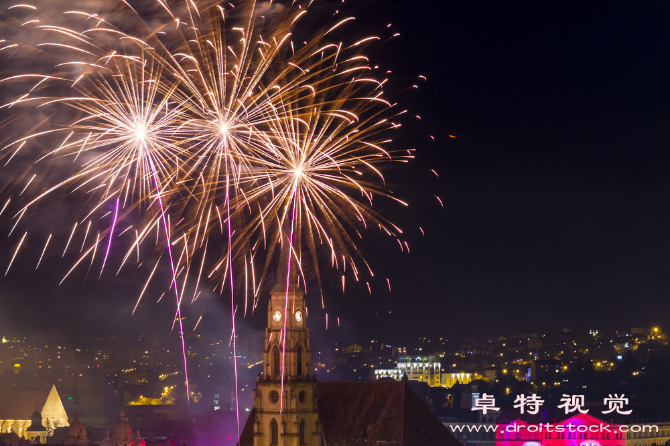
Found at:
[555, 189]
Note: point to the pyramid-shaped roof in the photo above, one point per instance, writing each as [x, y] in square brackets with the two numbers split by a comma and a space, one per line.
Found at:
[20, 405]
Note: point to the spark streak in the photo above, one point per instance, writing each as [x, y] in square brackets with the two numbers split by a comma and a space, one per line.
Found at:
[16, 252]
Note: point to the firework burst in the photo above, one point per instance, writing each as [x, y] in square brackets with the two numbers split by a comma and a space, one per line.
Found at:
[207, 124]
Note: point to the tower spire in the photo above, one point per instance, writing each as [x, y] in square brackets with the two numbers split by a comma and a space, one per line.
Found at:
[286, 392]
[283, 270]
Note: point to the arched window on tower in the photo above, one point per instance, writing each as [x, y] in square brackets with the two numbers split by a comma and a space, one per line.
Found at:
[299, 361]
[302, 431]
[276, 361]
[274, 432]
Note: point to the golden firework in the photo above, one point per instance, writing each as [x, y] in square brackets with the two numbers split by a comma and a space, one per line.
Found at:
[205, 123]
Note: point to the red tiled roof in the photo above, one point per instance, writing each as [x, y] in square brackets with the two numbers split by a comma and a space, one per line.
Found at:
[365, 413]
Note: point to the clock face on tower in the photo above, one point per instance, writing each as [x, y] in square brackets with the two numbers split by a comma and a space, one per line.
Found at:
[298, 316]
[276, 316]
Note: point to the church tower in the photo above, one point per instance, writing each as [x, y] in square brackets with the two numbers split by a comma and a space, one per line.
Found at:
[291, 419]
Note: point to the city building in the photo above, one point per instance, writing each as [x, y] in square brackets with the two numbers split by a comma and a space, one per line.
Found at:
[451, 379]
[546, 372]
[648, 438]
[141, 357]
[421, 368]
[394, 374]
[426, 372]
[100, 398]
[17, 410]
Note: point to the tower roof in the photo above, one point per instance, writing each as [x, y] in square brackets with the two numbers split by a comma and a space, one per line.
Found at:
[36, 424]
[122, 432]
[76, 434]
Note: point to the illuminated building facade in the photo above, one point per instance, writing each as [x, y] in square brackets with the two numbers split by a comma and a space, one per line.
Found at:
[394, 374]
[450, 379]
[648, 438]
[421, 368]
[425, 369]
